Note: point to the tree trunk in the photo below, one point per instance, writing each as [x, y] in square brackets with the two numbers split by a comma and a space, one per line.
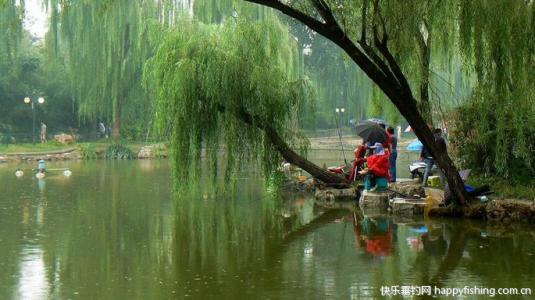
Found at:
[425, 57]
[116, 127]
[291, 156]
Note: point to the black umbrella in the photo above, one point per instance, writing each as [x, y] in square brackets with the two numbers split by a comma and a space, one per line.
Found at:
[371, 132]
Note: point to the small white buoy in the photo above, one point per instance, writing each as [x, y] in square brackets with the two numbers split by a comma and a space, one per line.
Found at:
[67, 173]
[39, 175]
[19, 173]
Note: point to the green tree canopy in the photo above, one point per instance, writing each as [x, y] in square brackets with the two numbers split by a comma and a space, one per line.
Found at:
[107, 43]
[211, 80]
[496, 130]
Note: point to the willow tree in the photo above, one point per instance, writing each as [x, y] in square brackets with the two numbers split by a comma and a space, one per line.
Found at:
[11, 36]
[498, 41]
[362, 31]
[337, 81]
[107, 43]
[11, 14]
[230, 86]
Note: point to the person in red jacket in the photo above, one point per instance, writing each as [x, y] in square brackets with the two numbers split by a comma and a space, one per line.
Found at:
[359, 161]
[378, 168]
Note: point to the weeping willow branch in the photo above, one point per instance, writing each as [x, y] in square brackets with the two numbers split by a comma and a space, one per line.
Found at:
[229, 85]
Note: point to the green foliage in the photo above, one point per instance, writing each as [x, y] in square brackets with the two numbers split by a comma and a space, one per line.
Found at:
[108, 43]
[159, 151]
[119, 151]
[88, 151]
[208, 77]
[496, 128]
[5, 139]
[11, 15]
[32, 148]
[480, 142]
[32, 74]
[337, 82]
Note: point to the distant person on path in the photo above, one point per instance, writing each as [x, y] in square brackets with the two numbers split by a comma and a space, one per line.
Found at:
[101, 130]
[43, 132]
[393, 154]
[428, 158]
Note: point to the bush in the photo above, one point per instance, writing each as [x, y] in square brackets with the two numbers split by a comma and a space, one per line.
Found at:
[88, 151]
[119, 151]
[481, 141]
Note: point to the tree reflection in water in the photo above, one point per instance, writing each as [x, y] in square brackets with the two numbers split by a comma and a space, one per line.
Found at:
[114, 230]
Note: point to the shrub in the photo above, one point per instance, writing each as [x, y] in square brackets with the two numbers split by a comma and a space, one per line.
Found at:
[119, 151]
[481, 141]
[88, 151]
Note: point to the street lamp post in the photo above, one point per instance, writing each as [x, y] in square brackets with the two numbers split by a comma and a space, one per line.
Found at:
[340, 111]
[27, 100]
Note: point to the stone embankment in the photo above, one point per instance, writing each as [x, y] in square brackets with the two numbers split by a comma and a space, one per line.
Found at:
[73, 153]
[64, 154]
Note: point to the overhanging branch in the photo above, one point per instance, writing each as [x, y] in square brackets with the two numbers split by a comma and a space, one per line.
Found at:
[294, 13]
[381, 43]
[325, 12]
[285, 150]
[334, 33]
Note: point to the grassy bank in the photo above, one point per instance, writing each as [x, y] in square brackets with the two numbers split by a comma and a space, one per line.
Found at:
[32, 148]
[53, 146]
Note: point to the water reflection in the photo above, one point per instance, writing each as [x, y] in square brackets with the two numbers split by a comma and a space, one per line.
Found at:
[114, 231]
[374, 234]
[33, 283]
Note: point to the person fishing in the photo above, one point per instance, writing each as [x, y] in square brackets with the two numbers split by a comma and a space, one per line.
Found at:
[41, 166]
[359, 161]
[377, 173]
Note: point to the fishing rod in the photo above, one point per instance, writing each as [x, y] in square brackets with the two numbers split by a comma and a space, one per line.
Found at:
[339, 134]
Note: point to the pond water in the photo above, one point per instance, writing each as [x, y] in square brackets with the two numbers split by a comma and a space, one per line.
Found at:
[114, 230]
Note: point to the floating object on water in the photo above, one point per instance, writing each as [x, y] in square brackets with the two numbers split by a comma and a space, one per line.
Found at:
[19, 173]
[67, 173]
[40, 175]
